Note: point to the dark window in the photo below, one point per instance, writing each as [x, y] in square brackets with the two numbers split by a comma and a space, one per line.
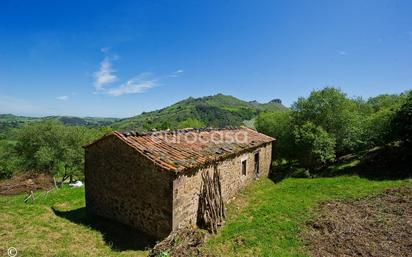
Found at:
[244, 167]
[257, 163]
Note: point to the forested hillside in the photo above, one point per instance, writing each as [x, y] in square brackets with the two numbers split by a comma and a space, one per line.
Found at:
[316, 133]
[328, 127]
[53, 144]
[8, 121]
[212, 111]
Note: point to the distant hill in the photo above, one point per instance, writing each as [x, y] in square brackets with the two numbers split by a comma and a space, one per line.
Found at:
[8, 121]
[214, 111]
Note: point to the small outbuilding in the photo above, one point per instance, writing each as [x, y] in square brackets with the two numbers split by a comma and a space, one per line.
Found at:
[152, 181]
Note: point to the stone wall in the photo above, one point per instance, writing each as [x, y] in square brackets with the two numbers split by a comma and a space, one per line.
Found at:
[186, 187]
[124, 186]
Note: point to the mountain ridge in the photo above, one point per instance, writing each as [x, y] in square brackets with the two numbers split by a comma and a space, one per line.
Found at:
[214, 111]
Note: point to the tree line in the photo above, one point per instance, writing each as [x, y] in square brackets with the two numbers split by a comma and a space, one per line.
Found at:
[312, 134]
[47, 146]
[328, 124]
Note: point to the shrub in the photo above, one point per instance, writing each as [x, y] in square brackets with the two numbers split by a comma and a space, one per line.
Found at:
[278, 125]
[53, 147]
[402, 122]
[334, 112]
[190, 123]
[314, 146]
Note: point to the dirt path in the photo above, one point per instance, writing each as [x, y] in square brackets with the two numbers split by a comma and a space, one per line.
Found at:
[375, 226]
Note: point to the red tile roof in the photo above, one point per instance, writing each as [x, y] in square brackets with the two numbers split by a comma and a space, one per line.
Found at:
[190, 148]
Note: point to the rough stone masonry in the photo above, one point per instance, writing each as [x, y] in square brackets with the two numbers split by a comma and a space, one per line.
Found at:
[152, 181]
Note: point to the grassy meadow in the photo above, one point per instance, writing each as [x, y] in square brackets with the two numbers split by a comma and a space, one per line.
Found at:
[264, 220]
[55, 225]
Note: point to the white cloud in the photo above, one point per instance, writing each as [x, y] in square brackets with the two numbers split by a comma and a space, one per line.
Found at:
[342, 52]
[176, 73]
[105, 75]
[63, 98]
[136, 85]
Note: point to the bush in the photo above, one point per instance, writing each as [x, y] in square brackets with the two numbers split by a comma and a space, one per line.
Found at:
[334, 112]
[53, 147]
[278, 125]
[9, 161]
[377, 130]
[314, 146]
[402, 122]
[190, 123]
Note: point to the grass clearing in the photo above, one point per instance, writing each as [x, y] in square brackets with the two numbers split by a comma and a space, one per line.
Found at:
[34, 229]
[264, 220]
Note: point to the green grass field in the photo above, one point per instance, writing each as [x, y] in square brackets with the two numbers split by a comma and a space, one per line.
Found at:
[264, 220]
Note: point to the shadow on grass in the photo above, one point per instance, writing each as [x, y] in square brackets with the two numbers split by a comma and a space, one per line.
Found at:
[390, 162]
[118, 236]
[280, 172]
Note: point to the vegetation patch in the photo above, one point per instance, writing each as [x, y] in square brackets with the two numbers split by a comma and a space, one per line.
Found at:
[373, 226]
[211, 111]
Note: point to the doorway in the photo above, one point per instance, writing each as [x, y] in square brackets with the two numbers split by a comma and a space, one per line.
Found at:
[256, 170]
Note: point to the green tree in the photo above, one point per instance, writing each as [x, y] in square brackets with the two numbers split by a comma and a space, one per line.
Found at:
[190, 123]
[377, 129]
[279, 126]
[333, 111]
[402, 122]
[9, 160]
[55, 148]
[314, 146]
[385, 101]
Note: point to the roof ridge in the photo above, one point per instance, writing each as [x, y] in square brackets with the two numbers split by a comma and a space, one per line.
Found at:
[176, 131]
[185, 153]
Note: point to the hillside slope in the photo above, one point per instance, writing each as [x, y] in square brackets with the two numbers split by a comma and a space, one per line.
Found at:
[8, 121]
[214, 111]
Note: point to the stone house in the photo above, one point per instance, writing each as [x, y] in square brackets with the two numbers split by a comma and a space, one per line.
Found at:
[151, 181]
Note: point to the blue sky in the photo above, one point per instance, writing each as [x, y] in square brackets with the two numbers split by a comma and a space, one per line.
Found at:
[119, 58]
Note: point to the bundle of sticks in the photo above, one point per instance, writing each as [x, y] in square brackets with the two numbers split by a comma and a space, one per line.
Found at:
[211, 211]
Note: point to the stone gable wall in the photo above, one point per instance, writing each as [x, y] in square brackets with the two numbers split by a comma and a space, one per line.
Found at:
[125, 186]
[186, 187]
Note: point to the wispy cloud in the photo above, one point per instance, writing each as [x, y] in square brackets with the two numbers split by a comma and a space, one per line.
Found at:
[106, 74]
[177, 73]
[136, 85]
[63, 98]
[341, 52]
